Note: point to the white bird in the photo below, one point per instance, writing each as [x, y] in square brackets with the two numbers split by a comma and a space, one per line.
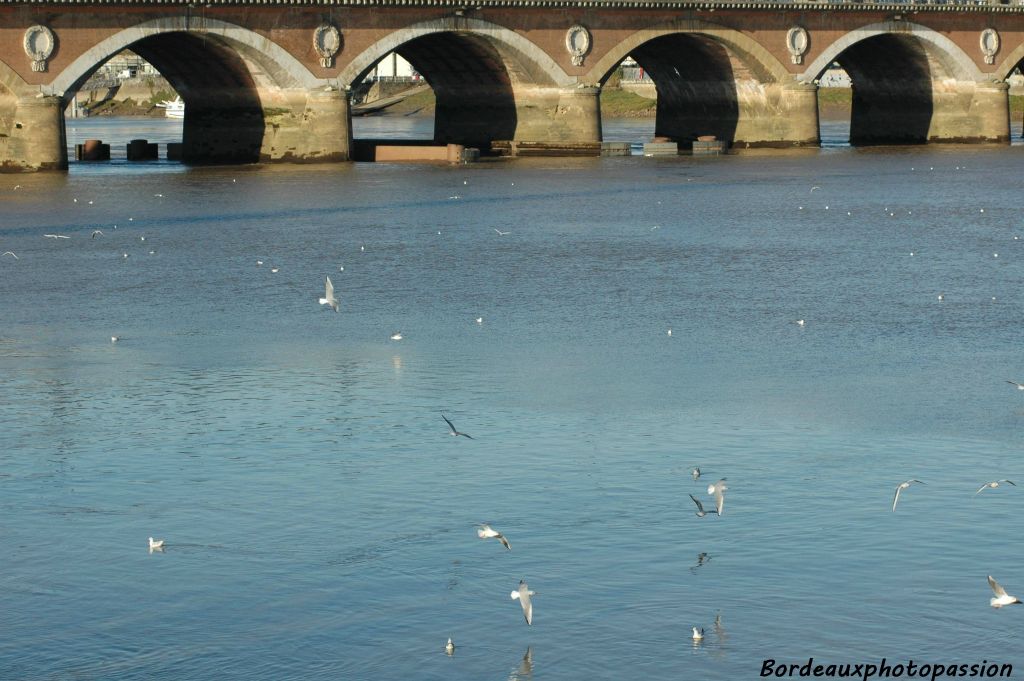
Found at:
[718, 490]
[17, 187]
[259, 262]
[96, 232]
[451, 426]
[155, 543]
[941, 298]
[695, 472]
[142, 238]
[328, 298]
[56, 236]
[396, 336]
[800, 322]
[698, 634]
[700, 507]
[362, 248]
[523, 594]
[159, 196]
[1020, 386]
[114, 339]
[993, 485]
[449, 647]
[10, 253]
[124, 255]
[899, 488]
[479, 320]
[485, 532]
[500, 233]
[1002, 598]
[670, 332]
[813, 188]
[273, 270]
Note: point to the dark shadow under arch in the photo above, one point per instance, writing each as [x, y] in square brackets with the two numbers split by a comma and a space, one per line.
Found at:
[224, 118]
[472, 83]
[892, 90]
[696, 83]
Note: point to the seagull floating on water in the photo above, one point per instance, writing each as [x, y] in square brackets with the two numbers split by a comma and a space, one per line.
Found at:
[328, 298]
[695, 472]
[523, 594]
[479, 320]
[451, 426]
[485, 532]
[396, 336]
[114, 339]
[902, 486]
[718, 490]
[1002, 598]
[698, 634]
[993, 485]
[800, 322]
[449, 647]
[155, 543]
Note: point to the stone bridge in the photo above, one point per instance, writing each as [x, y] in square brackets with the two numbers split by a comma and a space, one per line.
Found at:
[266, 80]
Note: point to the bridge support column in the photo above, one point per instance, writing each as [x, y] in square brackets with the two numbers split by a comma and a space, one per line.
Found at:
[557, 116]
[777, 115]
[970, 113]
[316, 128]
[32, 134]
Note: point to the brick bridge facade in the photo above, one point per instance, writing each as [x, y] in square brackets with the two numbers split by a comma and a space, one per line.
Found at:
[267, 80]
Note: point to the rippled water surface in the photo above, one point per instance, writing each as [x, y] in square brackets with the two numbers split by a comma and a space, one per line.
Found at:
[320, 520]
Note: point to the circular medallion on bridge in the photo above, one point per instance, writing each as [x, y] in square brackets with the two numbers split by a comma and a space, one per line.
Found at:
[39, 43]
[797, 42]
[577, 42]
[327, 43]
[989, 41]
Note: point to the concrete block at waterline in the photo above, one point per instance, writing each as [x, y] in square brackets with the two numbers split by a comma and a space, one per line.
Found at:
[661, 149]
[174, 151]
[616, 149]
[92, 150]
[142, 150]
[707, 145]
[520, 148]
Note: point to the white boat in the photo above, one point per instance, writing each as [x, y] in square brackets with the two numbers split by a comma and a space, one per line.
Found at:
[173, 108]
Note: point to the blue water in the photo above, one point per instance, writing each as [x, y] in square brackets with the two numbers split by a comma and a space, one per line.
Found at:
[319, 520]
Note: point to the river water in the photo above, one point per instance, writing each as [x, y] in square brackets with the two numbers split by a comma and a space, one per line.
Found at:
[320, 521]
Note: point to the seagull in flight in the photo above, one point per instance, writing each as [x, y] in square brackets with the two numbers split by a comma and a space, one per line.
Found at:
[328, 298]
[451, 426]
[1020, 386]
[700, 507]
[500, 233]
[899, 488]
[56, 236]
[718, 490]
[993, 485]
[1002, 598]
[96, 232]
[523, 594]
[485, 532]
[10, 253]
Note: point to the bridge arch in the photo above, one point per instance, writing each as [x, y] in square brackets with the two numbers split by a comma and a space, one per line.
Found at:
[911, 85]
[489, 82]
[274, 64]
[246, 98]
[713, 80]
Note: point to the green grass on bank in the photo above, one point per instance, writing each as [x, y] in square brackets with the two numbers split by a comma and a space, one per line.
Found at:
[617, 103]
